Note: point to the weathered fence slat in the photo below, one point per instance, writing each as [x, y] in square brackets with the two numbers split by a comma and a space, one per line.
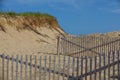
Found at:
[45, 57]
[86, 68]
[113, 55]
[81, 68]
[16, 67]
[40, 60]
[109, 67]
[3, 74]
[35, 67]
[12, 67]
[59, 67]
[54, 68]
[49, 67]
[73, 62]
[21, 69]
[30, 67]
[68, 72]
[77, 73]
[26, 67]
[118, 54]
[8, 68]
[104, 68]
[90, 68]
[63, 67]
[39, 68]
[99, 67]
[95, 63]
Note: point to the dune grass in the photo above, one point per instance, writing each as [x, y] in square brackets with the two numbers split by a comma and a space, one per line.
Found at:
[37, 14]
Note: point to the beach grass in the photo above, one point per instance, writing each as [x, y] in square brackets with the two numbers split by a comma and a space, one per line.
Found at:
[37, 14]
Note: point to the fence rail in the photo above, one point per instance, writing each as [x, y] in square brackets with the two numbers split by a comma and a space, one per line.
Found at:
[60, 67]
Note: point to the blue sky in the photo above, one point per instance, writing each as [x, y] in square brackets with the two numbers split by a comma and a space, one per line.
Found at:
[74, 16]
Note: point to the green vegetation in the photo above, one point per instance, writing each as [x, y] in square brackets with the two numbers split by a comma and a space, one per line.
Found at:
[37, 14]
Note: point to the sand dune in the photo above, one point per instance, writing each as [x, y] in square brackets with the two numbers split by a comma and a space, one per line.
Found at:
[22, 36]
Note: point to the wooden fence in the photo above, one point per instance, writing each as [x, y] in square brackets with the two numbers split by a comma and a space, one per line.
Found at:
[77, 46]
[60, 67]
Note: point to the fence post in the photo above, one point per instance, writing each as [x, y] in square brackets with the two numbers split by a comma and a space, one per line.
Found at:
[58, 45]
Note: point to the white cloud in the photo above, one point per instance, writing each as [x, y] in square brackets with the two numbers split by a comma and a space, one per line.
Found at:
[73, 3]
[116, 11]
[110, 6]
[43, 1]
[105, 5]
[111, 10]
